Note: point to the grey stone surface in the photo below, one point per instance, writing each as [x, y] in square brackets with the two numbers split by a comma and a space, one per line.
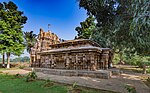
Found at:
[116, 84]
[103, 74]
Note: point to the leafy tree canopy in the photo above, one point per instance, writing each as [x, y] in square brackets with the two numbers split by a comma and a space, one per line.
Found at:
[30, 39]
[122, 24]
[11, 24]
[86, 28]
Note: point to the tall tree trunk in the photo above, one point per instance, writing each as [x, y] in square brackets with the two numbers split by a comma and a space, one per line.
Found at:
[3, 60]
[8, 60]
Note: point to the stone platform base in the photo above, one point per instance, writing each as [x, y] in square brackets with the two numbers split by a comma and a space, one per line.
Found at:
[103, 74]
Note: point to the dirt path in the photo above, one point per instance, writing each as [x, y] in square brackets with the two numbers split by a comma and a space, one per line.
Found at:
[116, 83]
[16, 71]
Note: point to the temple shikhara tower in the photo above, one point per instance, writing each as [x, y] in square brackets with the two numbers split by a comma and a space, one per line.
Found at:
[79, 54]
[44, 39]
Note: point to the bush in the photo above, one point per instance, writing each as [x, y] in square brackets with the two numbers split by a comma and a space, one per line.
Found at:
[116, 59]
[21, 67]
[18, 76]
[148, 70]
[31, 76]
[134, 60]
[138, 60]
[148, 80]
[74, 86]
[48, 83]
[130, 88]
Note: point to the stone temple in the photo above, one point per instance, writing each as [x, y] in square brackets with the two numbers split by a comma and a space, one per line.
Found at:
[79, 54]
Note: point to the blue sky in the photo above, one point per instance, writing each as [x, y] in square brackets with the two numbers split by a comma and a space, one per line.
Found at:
[63, 15]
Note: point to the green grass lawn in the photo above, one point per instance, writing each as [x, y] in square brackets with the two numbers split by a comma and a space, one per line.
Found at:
[11, 84]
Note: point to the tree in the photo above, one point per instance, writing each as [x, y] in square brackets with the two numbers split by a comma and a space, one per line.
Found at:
[21, 59]
[30, 40]
[116, 22]
[1, 50]
[11, 24]
[140, 25]
[86, 28]
[122, 25]
[140, 29]
[110, 29]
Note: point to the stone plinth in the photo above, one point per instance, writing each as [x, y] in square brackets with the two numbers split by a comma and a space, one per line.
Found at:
[103, 74]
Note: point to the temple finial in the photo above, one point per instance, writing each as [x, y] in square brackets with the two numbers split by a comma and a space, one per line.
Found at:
[49, 26]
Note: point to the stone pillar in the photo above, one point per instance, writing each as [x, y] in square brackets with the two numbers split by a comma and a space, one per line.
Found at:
[104, 58]
[84, 61]
[52, 61]
[73, 61]
[38, 60]
[103, 61]
[93, 67]
[43, 63]
[88, 63]
[98, 62]
[47, 61]
[67, 61]
[34, 59]
[70, 61]
[76, 62]
[106, 61]
[110, 59]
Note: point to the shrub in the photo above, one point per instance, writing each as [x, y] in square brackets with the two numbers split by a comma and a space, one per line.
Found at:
[148, 70]
[74, 88]
[138, 60]
[148, 80]
[18, 76]
[134, 60]
[21, 67]
[48, 83]
[74, 85]
[130, 88]
[31, 76]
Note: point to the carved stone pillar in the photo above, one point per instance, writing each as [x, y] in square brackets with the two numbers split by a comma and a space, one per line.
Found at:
[73, 61]
[106, 60]
[84, 61]
[67, 60]
[76, 61]
[93, 67]
[52, 61]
